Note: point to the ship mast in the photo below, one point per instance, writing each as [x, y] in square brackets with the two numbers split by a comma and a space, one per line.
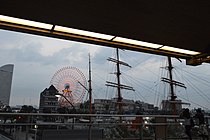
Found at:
[118, 85]
[90, 98]
[173, 96]
[119, 100]
[170, 67]
[172, 83]
[90, 86]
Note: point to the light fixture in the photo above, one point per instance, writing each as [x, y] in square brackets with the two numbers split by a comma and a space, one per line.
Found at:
[24, 22]
[83, 32]
[136, 42]
[172, 49]
[33, 25]
[58, 96]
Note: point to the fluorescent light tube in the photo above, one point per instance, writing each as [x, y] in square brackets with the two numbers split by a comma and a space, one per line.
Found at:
[167, 48]
[82, 32]
[136, 42]
[25, 22]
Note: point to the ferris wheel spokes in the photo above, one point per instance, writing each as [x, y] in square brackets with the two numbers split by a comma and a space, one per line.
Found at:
[66, 81]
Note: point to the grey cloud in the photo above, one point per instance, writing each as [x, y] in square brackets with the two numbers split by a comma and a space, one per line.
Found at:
[101, 56]
[9, 37]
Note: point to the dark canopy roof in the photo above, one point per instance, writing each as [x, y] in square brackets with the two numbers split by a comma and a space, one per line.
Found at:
[182, 24]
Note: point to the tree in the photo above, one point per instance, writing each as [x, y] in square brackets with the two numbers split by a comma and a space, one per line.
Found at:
[81, 106]
[28, 109]
[47, 110]
[63, 110]
[6, 109]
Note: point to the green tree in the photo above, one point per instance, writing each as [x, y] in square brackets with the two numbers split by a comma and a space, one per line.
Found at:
[28, 109]
[24, 118]
[63, 110]
[6, 109]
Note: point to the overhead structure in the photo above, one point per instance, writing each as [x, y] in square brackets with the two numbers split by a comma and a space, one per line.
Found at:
[171, 28]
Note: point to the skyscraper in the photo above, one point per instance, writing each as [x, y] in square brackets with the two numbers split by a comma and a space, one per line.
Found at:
[6, 73]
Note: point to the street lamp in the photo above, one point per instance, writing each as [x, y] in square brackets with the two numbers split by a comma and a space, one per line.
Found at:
[58, 95]
[74, 110]
[35, 126]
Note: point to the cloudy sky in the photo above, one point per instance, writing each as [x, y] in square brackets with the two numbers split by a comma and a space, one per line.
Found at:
[36, 60]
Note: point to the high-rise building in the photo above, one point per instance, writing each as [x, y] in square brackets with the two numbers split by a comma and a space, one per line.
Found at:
[6, 73]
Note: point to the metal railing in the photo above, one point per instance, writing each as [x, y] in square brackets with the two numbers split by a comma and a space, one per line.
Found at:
[108, 126]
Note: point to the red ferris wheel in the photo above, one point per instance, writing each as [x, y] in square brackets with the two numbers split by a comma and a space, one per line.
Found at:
[68, 82]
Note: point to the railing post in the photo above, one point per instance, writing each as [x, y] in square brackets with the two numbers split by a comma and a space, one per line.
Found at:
[207, 127]
[141, 131]
[90, 131]
[26, 132]
[73, 121]
[160, 129]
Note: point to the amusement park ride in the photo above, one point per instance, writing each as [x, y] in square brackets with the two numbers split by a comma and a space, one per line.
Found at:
[68, 82]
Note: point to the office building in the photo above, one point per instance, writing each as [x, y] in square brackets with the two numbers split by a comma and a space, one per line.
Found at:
[6, 73]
